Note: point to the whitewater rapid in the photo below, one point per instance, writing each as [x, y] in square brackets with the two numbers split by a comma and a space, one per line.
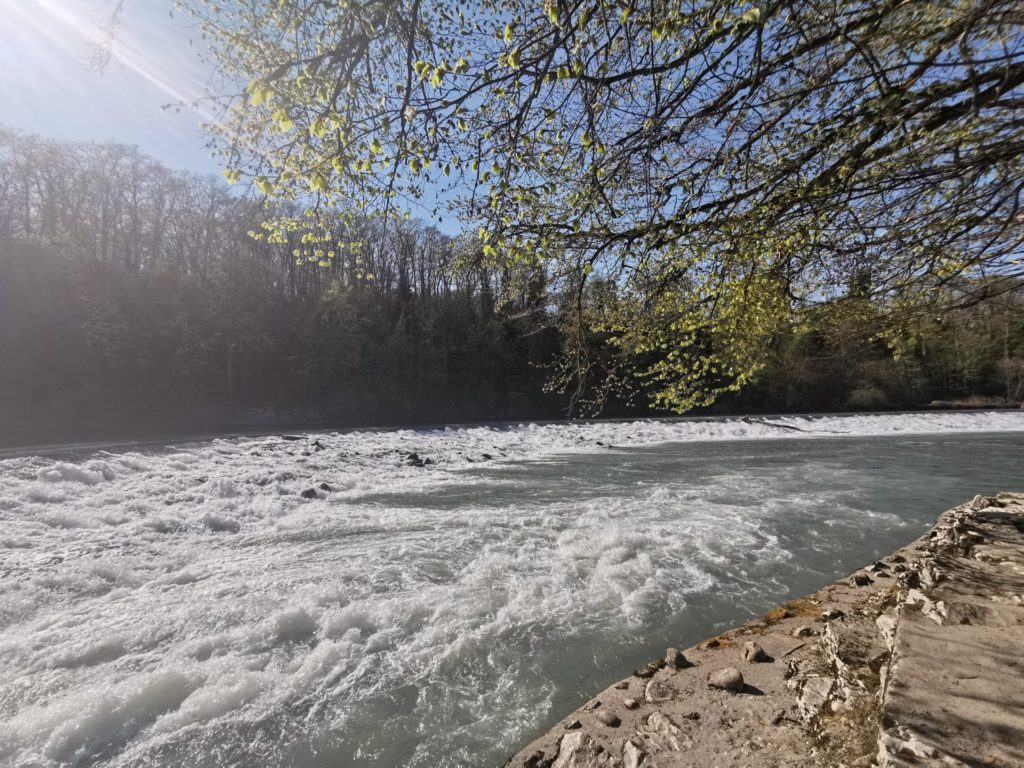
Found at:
[321, 601]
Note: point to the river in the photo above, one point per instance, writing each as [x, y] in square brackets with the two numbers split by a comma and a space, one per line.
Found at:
[320, 601]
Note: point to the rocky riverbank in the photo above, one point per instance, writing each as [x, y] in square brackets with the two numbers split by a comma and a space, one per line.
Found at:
[914, 660]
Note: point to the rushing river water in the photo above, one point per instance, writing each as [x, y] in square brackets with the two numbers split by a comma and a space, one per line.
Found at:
[190, 607]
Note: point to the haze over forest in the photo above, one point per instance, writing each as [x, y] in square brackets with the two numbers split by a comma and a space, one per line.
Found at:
[135, 301]
[616, 239]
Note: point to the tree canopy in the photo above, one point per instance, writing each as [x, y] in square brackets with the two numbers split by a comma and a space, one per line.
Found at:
[688, 175]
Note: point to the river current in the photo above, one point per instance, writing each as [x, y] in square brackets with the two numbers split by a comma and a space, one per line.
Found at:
[327, 601]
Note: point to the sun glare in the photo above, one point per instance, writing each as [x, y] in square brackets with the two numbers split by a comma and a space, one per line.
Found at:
[69, 30]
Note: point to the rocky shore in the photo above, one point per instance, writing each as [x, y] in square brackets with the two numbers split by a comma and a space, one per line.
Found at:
[915, 660]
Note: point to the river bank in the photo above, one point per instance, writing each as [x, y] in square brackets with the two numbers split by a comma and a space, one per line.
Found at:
[912, 660]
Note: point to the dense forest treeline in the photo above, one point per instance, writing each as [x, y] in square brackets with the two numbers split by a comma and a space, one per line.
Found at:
[133, 300]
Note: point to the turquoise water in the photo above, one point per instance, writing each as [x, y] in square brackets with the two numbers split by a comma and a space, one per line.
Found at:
[189, 607]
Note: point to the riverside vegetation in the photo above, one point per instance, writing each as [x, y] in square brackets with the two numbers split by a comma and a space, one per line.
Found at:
[142, 287]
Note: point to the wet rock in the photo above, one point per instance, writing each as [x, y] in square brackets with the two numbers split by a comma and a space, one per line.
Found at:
[608, 717]
[631, 703]
[728, 679]
[414, 460]
[309, 493]
[675, 660]
[649, 669]
[860, 580]
[754, 653]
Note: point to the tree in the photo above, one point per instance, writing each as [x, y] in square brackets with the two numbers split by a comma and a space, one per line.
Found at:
[725, 164]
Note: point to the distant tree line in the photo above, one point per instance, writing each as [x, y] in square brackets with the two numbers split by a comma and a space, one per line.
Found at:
[134, 300]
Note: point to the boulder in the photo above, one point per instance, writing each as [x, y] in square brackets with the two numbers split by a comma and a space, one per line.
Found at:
[728, 679]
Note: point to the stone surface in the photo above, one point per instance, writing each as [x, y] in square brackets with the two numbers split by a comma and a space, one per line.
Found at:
[632, 755]
[609, 718]
[728, 679]
[675, 660]
[649, 669]
[657, 691]
[921, 667]
[754, 653]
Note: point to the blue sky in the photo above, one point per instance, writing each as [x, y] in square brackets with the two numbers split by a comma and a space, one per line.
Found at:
[47, 86]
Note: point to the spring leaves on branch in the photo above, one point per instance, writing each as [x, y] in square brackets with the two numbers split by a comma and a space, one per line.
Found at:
[718, 164]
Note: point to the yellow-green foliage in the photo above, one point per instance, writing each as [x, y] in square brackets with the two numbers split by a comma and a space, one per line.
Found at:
[723, 165]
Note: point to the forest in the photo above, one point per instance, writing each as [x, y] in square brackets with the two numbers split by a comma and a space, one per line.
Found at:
[135, 301]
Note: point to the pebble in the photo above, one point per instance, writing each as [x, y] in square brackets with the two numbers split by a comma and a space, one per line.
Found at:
[631, 703]
[608, 717]
[675, 660]
[728, 679]
[832, 614]
[573, 724]
[803, 632]
[754, 653]
[623, 685]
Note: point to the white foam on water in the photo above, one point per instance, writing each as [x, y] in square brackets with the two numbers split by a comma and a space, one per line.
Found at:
[216, 602]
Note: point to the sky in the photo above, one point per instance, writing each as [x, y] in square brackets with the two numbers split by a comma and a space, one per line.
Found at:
[48, 87]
